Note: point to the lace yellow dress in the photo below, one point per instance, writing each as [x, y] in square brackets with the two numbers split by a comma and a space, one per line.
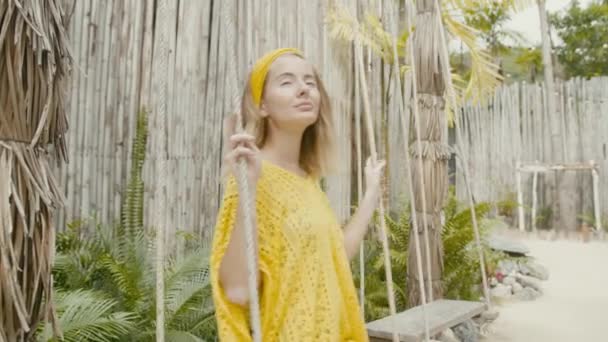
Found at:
[307, 291]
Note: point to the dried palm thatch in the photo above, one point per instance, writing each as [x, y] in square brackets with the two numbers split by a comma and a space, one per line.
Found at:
[34, 60]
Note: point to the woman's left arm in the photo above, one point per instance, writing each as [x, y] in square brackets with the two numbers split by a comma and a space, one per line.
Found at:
[356, 228]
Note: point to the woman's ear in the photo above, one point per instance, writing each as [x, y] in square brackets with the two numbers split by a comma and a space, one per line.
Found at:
[263, 112]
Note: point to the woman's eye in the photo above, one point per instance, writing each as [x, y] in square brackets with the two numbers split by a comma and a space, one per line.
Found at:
[285, 83]
[312, 84]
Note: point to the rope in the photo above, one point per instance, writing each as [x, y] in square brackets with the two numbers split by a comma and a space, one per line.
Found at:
[245, 195]
[372, 143]
[452, 98]
[161, 150]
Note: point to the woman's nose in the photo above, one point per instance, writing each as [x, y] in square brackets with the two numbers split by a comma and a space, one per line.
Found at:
[304, 89]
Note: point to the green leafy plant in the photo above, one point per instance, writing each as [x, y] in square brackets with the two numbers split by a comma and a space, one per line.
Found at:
[589, 219]
[462, 276]
[543, 217]
[507, 206]
[89, 315]
[105, 276]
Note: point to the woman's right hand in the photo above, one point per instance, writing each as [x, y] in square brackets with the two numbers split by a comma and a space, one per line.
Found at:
[242, 146]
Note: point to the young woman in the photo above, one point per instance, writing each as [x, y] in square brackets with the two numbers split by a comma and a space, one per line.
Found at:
[306, 287]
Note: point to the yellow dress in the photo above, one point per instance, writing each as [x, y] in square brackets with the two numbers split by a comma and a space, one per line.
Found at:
[307, 291]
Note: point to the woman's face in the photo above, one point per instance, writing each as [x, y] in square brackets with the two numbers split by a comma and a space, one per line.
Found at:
[291, 97]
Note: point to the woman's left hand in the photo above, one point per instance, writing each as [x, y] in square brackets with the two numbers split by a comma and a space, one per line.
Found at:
[373, 178]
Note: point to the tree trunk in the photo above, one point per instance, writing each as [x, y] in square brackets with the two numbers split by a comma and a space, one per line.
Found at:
[434, 154]
[563, 196]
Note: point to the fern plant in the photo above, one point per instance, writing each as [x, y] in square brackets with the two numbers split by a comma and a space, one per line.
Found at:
[462, 276]
[89, 315]
[105, 279]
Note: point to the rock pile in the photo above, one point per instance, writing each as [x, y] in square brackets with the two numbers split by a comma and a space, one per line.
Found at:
[518, 279]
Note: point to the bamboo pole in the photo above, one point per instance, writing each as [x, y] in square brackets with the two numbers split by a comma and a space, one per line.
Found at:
[161, 56]
[596, 198]
[359, 186]
[534, 200]
[520, 198]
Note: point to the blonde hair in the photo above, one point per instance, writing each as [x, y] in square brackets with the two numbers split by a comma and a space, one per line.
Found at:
[317, 148]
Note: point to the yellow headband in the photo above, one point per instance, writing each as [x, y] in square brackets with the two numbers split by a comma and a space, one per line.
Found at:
[260, 70]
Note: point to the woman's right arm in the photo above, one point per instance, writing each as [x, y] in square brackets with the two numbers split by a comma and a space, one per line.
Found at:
[233, 271]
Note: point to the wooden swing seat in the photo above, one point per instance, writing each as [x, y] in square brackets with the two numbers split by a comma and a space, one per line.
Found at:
[442, 314]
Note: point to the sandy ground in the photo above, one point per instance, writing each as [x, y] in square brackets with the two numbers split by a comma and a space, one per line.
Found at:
[574, 306]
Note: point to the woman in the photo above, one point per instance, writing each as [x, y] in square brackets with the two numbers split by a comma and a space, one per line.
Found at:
[306, 287]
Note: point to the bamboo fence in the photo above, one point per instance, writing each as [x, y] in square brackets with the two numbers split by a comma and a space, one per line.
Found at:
[514, 126]
[113, 79]
[112, 43]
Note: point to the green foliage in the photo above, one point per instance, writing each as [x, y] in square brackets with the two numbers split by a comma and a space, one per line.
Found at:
[462, 276]
[105, 277]
[531, 61]
[507, 206]
[87, 315]
[589, 219]
[584, 32]
[543, 217]
[132, 211]
[490, 18]
[461, 261]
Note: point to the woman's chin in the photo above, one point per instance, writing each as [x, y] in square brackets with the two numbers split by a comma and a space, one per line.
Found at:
[304, 118]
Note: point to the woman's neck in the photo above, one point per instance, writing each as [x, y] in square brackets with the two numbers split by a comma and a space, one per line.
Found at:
[283, 149]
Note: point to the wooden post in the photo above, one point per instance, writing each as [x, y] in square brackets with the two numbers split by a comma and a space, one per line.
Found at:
[534, 200]
[596, 197]
[520, 198]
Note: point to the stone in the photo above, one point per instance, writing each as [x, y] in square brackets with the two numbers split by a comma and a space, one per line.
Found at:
[501, 291]
[507, 267]
[527, 294]
[466, 331]
[535, 270]
[510, 280]
[528, 281]
[517, 288]
[508, 246]
[448, 336]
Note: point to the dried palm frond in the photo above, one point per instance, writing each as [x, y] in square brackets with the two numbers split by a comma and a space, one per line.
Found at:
[484, 72]
[516, 5]
[34, 62]
[344, 27]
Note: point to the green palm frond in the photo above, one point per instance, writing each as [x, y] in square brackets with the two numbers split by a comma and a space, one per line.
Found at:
[182, 336]
[196, 320]
[133, 203]
[191, 264]
[88, 316]
[126, 280]
[484, 72]
[180, 293]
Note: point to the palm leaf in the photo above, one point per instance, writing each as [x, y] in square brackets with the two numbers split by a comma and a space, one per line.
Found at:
[182, 336]
[88, 316]
[183, 292]
[484, 73]
[369, 32]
